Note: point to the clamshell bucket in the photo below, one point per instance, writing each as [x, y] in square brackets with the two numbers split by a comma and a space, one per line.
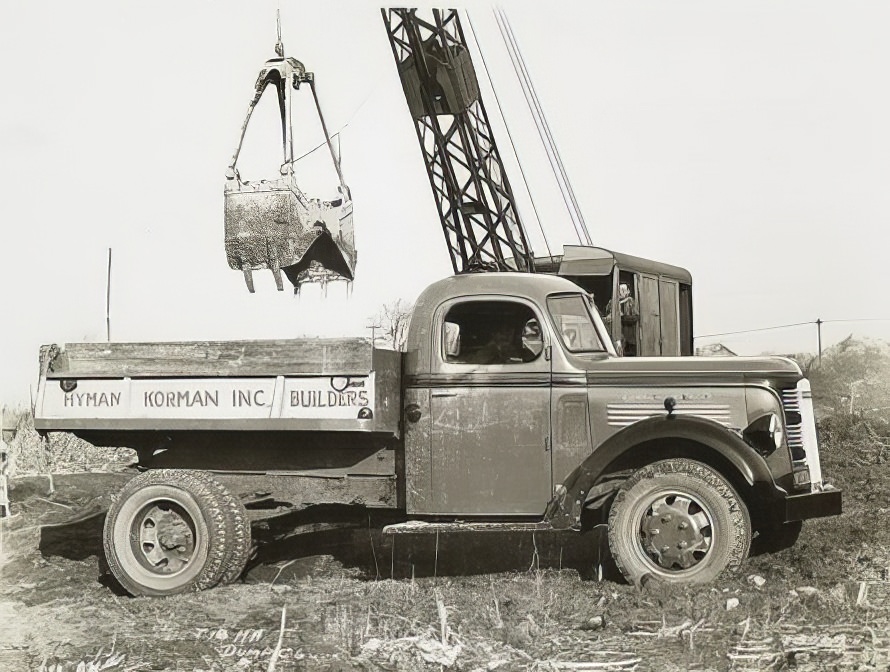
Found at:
[271, 224]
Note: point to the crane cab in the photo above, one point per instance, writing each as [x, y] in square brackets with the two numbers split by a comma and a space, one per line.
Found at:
[646, 304]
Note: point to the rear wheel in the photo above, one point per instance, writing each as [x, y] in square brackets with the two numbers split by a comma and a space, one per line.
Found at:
[678, 521]
[238, 534]
[167, 533]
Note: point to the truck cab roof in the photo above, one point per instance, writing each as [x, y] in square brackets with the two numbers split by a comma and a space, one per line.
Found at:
[534, 288]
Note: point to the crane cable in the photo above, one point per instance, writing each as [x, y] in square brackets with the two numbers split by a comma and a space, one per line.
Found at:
[543, 127]
[537, 111]
[509, 134]
[372, 91]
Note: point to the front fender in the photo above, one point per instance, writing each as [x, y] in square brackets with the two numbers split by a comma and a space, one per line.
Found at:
[643, 443]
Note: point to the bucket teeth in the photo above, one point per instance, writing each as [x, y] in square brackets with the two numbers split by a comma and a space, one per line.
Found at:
[248, 278]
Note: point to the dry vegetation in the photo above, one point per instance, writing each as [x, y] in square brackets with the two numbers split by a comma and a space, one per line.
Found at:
[823, 604]
[58, 452]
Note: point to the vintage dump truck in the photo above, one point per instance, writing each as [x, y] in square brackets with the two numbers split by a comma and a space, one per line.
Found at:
[509, 409]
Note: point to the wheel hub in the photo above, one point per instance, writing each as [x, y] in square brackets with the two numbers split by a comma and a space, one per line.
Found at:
[166, 540]
[675, 532]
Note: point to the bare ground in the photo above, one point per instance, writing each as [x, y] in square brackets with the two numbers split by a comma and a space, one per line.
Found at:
[326, 601]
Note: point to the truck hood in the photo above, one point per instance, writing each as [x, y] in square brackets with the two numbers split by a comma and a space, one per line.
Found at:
[664, 370]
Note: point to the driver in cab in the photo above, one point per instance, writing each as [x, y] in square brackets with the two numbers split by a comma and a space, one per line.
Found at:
[505, 345]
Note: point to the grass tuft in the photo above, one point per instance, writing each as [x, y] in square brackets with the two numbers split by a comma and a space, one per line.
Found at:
[31, 453]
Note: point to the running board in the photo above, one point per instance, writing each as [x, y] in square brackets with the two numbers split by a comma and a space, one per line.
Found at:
[424, 527]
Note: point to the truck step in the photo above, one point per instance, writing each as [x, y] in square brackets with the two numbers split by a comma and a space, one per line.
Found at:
[424, 527]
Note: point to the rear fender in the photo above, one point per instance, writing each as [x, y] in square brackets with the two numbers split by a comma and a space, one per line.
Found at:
[656, 439]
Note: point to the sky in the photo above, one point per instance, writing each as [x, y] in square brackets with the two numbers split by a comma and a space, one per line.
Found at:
[748, 142]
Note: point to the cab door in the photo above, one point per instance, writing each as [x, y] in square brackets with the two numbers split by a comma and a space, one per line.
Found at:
[650, 316]
[659, 316]
[489, 409]
[669, 312]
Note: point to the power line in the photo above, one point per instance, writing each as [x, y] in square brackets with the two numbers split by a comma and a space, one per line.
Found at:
[795, 324]
[750, 331]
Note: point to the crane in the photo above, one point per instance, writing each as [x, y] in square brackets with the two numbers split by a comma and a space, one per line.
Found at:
[475, 202]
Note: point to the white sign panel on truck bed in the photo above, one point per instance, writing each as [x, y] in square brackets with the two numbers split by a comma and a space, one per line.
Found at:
[311, 397]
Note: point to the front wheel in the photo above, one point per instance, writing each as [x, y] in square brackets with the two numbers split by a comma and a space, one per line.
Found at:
[166, 533]
[678, 521]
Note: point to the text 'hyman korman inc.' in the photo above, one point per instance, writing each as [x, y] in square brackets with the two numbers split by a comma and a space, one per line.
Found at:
[321, 397]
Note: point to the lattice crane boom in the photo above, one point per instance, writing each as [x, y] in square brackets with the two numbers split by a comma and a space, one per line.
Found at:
[476, 206]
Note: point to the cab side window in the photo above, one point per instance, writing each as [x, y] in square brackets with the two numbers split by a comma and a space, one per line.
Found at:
[491, 332]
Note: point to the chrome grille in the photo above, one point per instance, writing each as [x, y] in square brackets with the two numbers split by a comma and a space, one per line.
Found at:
[794, 423]
[800, 428]
[623, 414]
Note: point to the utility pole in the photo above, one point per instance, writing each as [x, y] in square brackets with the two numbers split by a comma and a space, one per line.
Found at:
[819, 338]
[4, 462]
[108, 300]
[374, 327]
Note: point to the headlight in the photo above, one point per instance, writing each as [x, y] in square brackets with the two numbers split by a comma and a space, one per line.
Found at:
[775, 430]
[765, 434]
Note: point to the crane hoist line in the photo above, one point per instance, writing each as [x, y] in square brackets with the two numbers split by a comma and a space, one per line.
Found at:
[271, 223]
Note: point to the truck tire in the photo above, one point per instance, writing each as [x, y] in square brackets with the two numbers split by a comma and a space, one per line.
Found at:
[677, 521]
[237, 530]
[167, 533]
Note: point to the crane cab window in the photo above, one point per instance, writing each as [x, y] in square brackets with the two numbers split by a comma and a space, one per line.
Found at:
[491, 333]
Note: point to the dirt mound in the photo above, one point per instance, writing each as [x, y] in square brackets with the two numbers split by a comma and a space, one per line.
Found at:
[822, 603]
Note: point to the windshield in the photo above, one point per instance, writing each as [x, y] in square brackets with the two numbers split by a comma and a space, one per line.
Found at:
[573, 321]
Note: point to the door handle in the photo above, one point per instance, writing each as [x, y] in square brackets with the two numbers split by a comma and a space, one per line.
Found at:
[444, 394]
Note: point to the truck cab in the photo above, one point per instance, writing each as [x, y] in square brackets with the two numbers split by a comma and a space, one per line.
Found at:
[516, 403]
[487, 378]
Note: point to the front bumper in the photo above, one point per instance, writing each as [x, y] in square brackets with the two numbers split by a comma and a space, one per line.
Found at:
[820, 504]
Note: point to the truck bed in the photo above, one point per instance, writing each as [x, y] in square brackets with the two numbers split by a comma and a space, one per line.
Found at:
[299, 356]
[307, 383]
